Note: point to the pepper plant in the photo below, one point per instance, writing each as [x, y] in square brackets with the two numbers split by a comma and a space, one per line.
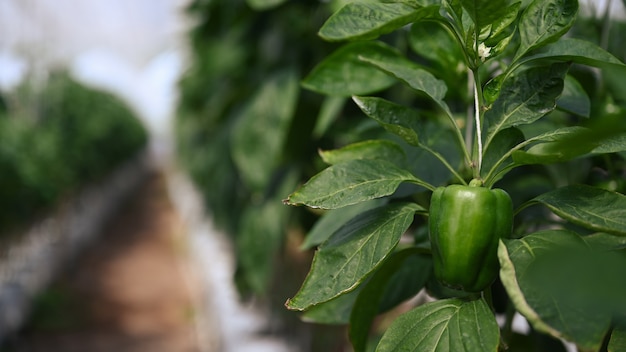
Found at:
[487, 99]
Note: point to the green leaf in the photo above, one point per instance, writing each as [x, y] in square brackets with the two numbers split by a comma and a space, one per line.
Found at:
[603, 135]
[343, 73]
[397, 119]
[436, 136]
[502, 25]
[544, 22]
[260, 235]
[350, 183]
[574, 99]
[613, 144]
[414, 76]
[409, 269]
[564, 144]
[575, 50]
[558, 134]
[431, 41]
[352, 253]
[329, 112]
[371, 149]
[358, 20]
[256, 148]
[492, 88]
[605, 241]
[561, 287]
[526, 97]
[485, 12]
[500, 145]
[332, 220]
[618, 340]
[445, 325]
[334, 312]
[589, 207]
[455, 10]
[260, 5]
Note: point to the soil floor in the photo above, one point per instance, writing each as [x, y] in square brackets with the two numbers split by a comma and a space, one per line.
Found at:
[130, 291]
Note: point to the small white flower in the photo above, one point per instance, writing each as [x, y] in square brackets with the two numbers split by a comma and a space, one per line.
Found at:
[483, 52]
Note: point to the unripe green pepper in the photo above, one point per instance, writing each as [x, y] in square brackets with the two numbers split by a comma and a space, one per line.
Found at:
[466, 223]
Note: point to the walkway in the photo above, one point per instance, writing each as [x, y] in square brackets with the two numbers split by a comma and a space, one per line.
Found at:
[132, 291]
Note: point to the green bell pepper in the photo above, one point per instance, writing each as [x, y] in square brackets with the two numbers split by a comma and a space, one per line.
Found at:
[466, 223]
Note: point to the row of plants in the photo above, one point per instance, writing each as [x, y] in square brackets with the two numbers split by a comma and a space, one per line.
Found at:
[471, 149]
[55, 136]
[248, 133]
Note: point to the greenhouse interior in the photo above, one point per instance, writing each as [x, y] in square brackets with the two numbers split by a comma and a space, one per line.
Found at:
[312, 175]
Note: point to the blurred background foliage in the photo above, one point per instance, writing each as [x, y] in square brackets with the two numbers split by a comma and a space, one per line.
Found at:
[248, 132]
[55, 136]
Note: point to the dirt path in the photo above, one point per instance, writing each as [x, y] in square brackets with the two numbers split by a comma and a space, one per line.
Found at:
[130, 292]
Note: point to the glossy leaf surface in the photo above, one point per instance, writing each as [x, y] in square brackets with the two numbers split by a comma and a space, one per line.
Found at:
[349, 183]
[589, 207]
[409, 269]
[445, 325]
[561, 286]
[544, 22]
[364, 20]
[352, 253]
[343, 73]
[526, 97]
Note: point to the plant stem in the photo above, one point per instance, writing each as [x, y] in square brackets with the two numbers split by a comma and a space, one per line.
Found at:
[478, 105]
[469, 124]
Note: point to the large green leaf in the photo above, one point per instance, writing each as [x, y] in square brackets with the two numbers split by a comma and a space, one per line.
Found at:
[402, 276]
[561, 287]
[351, 182]
[445, 325]
[261, 131]
[332, 220]
[343, 73]
[525, 98]
[370, 149]
[352, 253]
[558, 146]
[606, 134]
[544, 22]
[575, 50]
[485, 12]
[414, 76]
[593, 208]
[397, 119]
[363, 20]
